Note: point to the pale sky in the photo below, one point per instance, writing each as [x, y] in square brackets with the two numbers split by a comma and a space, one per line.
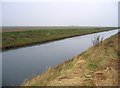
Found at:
[60, 13]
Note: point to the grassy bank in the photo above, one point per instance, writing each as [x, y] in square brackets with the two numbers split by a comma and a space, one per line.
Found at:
[24, 38]
[98, 66]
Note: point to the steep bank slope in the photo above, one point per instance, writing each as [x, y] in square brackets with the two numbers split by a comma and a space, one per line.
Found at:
[98, 66]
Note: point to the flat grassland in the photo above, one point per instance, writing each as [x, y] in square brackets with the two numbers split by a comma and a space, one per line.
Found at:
[27, 28]
[20, 38]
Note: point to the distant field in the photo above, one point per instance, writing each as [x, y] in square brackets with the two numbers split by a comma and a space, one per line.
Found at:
[14, 29]
[35, 36]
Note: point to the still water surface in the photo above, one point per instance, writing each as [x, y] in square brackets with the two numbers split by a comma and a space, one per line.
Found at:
[22, 63]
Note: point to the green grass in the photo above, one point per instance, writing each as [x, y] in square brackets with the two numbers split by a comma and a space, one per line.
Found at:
[23, 38]
[92, 66]
[85, 56]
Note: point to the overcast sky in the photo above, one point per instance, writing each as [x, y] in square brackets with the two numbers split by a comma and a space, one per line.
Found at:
[60, 13]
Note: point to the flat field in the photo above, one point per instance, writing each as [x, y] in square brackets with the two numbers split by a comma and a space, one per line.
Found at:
[21, 37]
[14, 29]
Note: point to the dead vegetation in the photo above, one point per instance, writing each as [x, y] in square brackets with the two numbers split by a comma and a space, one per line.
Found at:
[95, 67]
[97, 40]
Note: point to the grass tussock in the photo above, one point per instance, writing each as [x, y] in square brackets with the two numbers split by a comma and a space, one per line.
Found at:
[25, 38]
[98, 66]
